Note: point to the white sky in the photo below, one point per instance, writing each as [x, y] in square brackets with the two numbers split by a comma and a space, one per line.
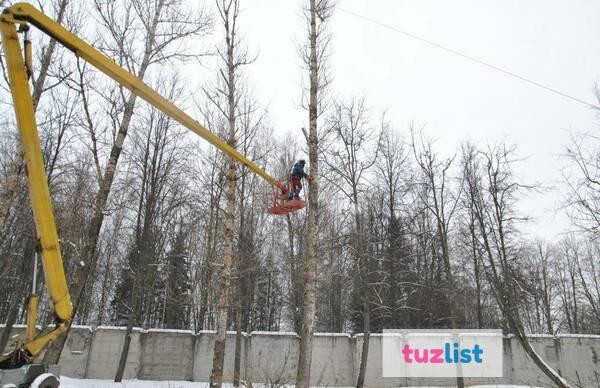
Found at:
[549, 41]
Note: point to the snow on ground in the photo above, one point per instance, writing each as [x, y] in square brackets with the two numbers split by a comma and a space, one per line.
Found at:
[68, 382]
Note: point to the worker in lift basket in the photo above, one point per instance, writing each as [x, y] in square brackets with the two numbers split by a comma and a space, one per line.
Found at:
[297, 175]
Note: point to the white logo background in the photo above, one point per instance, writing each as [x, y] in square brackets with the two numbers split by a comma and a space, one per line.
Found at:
[394, 364]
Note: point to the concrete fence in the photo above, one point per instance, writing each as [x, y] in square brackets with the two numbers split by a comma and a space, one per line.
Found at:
[272, 357]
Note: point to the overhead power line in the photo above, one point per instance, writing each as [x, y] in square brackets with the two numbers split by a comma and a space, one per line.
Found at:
[470, 58]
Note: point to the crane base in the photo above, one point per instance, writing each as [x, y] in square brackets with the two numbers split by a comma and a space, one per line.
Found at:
[37, 375]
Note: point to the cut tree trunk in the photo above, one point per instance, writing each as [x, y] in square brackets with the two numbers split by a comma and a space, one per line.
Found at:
[216, 376]
[310, 261]
[365, 345]
[237, 364]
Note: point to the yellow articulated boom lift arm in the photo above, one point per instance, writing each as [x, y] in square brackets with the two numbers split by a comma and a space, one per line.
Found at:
[22, 14]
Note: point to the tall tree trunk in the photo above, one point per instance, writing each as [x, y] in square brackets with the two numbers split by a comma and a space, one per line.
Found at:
[104, 293]
[460, 383]
[238, 337]
[310, 258]
[240, 280]
[229, 20]
[360, 382]
[296, 275]
[216, 376]
[206, 274]
[364, 275]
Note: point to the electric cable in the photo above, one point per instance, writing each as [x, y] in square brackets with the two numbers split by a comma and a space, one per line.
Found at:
[470, 58]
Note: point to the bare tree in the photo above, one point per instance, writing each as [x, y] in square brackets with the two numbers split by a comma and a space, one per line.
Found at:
[472, 250]
[251, 123]
[394, 181]
[568, 284]
[161, 27]
[583, 180]
[226, 98]
[315, 54]
[439, 199]
[492, 191]
[158, 160]
[587, 267]
[349, 158]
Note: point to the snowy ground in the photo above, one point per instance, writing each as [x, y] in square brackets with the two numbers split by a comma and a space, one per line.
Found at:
[68, 382]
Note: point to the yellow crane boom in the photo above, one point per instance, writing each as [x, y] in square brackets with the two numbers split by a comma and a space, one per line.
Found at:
[22, 14]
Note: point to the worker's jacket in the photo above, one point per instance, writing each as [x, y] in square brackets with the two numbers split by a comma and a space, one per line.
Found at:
[298, 172]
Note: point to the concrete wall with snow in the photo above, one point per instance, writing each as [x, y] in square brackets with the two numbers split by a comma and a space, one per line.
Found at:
[202, 361]
[273, 358]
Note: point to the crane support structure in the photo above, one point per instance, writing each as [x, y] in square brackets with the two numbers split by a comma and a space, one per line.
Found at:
[22, 14]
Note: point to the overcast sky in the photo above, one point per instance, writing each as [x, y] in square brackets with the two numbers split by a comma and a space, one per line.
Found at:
[549, 41]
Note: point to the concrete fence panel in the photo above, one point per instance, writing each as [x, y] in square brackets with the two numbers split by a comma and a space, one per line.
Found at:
[580, 359]
[167, 355]
[203, 356]
[333, 360]
[105, 353]
[74, 357]
[272, 357]
[524, 371]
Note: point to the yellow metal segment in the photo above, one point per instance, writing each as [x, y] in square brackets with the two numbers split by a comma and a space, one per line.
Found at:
[36, 346]
[39, 193]
[32, 308]
[26, 12]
